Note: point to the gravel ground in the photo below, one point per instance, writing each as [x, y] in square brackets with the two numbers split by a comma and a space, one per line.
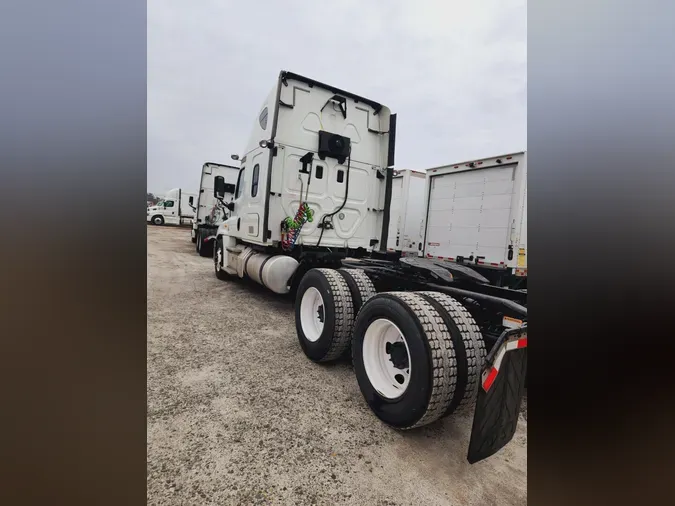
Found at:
[238, 415]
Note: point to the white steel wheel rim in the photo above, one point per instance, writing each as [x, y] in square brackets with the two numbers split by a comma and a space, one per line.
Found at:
[379, 360]
[158, 221]
[312, 314]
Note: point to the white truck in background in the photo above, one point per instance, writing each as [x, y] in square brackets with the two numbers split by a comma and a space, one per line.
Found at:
[173, 209]
[210, 212]
[428, 338]
[406, 213]
[477, 216]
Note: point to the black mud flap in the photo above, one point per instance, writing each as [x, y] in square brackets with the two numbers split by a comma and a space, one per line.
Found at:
[499, 395]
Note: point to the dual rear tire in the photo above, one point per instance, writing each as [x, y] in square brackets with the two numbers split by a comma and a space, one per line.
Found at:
[417, 355]
[204, 248]
[324, 315]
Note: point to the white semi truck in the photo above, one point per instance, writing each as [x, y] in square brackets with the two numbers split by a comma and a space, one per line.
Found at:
[476, 214]
[428, 338]
[210, 212]
[173, 209]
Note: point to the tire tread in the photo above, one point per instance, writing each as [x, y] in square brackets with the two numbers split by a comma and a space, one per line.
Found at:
[442, 355]
[344, 314]
[364, 285]
[472, 341]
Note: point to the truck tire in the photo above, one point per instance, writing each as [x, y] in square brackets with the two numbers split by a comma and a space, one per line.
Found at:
[360, 285]
[404, 359]
[218, 261]
[158, 220]
[205, 249]
[324, 315]
[193, 239]
[469, 348]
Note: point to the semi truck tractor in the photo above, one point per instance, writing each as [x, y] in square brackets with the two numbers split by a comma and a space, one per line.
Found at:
[173, 209]
[210, 212]
[428, 338]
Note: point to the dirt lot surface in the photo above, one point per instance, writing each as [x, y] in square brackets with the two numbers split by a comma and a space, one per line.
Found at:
[238, 415]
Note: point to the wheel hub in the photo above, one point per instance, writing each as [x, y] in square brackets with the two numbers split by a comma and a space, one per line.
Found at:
[312, 314]
[386, 358]
[397, 354]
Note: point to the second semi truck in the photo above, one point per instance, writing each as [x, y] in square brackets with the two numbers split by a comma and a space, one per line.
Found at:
[209, 211]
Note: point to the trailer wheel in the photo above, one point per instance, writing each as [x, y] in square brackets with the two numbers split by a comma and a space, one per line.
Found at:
[404, 359]
[158, 220]
[324, 315]
[218, 261]
[360, 285]
[469, 348]
[193, 239]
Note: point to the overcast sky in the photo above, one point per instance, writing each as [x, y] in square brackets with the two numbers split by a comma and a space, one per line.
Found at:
[453, 70]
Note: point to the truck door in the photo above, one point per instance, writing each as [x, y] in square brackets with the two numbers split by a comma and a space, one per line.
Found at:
[251, 191]
[170, 212]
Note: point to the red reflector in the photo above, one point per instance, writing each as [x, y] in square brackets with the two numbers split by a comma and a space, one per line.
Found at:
[494, 263]
[429, 255]
[509, 157]
[490, 379]
[456, 167]
[522, 343]
[441, 258]
[450, 258]
[478, 163]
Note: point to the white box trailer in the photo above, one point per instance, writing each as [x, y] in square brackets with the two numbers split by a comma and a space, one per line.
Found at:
[210, 211]
[173, 209]
[406, 212]
[477, 215]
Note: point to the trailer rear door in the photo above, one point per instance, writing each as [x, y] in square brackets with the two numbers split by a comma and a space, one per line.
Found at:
[470, 213]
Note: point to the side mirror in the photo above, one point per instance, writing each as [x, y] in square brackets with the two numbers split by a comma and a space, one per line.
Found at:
[234, 157]
[191, 200]
[219, 187]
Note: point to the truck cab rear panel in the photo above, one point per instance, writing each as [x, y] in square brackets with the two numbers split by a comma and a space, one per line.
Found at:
[274, 182]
